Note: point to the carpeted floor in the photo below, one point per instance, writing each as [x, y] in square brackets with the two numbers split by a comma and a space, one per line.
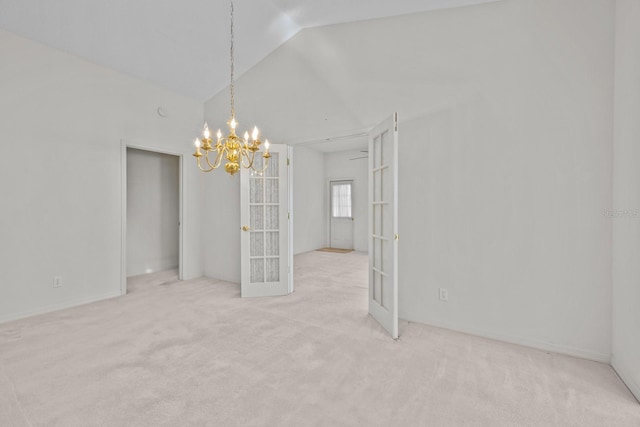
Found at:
[194, 354]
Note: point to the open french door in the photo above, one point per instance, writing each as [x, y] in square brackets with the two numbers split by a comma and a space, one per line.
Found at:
[383, 224]
[265, 252]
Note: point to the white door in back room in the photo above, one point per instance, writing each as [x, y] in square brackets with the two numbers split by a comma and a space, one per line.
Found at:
[341, 214]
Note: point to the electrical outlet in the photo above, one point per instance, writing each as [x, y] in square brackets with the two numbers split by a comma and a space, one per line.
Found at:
[57, 282]
[444, 294]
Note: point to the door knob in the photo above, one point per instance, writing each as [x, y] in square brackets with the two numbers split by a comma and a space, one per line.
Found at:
[246, 228]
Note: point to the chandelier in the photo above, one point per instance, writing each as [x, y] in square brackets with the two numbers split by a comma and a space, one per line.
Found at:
[235, 150]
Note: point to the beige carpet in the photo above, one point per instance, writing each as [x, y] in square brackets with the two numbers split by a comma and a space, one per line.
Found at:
[195, 354]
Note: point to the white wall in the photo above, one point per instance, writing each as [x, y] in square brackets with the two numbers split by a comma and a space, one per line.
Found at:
[309, 219]
[339, 166]
[625, 212]
[153, 182]
[62, 123]
[502, 202]
[221, 226]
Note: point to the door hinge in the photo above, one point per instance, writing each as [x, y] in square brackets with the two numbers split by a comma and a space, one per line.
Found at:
[395, 120]
[397, 237]
[288, 215]
[288, 162]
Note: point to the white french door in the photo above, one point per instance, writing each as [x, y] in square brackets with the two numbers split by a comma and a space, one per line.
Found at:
[265, 269]
[383, 224]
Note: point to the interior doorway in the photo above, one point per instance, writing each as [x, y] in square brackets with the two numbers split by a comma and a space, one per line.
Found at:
[151, 212]
[341, 214]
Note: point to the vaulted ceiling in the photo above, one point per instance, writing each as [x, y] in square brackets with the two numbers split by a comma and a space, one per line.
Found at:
[183, 45]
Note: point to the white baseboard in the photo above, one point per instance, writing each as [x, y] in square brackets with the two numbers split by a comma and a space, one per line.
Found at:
[527, 342]
[58, 306]
[623, 373]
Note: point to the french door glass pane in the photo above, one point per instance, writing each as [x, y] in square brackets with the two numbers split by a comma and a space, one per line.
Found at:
[273, 213]
[271, 190]
[256, 190]
[273, 243]
[257, 270]
[257, 243]
[273, 269]
[257, 217]
[274, 164]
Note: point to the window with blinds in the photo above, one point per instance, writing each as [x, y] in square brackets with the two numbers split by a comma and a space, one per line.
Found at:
[341, 200]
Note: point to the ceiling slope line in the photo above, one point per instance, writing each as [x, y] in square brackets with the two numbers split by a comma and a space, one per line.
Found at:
[355, 134]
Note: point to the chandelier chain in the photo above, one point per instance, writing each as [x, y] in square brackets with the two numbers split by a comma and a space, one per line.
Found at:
[231, 87]
[239, 151]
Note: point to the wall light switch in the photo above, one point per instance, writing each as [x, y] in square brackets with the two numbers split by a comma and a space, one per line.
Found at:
[444, 294]
[57, 282]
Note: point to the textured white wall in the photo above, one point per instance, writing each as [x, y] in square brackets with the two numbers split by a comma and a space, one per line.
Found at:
[309, 219]
[625, 212]
[338, 166]
[152, 211]
[62, 123]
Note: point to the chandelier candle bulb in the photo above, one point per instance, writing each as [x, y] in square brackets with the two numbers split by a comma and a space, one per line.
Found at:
[198, 153]
[254, 134]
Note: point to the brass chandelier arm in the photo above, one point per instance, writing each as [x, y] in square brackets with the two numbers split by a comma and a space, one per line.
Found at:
[245, 156]
[201, 168]
[218, 160]
[251, 161]
[265, 166]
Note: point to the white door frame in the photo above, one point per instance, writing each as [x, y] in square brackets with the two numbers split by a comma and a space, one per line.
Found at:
[329, 211]
[154, 149]
[290, 213]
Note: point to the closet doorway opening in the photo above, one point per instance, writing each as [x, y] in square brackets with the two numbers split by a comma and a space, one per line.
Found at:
[152, 212]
